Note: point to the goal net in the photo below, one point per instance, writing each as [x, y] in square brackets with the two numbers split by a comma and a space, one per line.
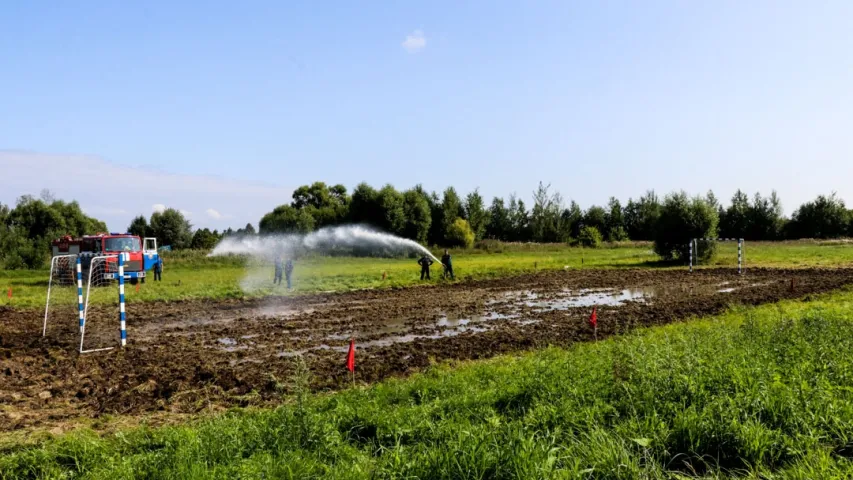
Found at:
[702, 249]
[64, 301]
[100, 309]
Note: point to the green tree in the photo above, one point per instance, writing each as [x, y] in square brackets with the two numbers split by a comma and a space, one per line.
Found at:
[36, 220]
[4, 214]
[519, 219]
[436, 228]
[572, 219]
[765, 220]
[417, 214]
[204, 239]
[170, 227]
[460, 234]
[590, 237]
[328, 205]
[735, 222]
[682, 219]
[499, 225]
[545, 217]
[138, 226]
[475, 211]
[393, 212]
[451, 209]
[641, 216]
[28, 229]
[596, 217]
[247, 230]
[364, 206]
[286, 219]
[824, 217]
[615, 221]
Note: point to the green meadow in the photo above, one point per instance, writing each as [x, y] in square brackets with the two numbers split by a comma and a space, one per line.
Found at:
[193, 275]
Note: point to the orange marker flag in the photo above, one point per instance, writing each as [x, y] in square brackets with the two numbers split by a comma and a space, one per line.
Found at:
[137, 288]
[9, 293]
[351, 356]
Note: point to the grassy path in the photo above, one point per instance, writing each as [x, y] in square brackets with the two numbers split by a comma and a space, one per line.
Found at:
[754, 392]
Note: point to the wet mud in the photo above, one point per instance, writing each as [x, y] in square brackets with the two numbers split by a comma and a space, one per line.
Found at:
[187, 357]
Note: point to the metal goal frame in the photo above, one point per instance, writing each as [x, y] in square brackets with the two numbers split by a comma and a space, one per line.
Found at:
[693, 250]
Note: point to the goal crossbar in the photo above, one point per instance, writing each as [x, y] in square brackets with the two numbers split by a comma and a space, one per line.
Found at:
[694, 251]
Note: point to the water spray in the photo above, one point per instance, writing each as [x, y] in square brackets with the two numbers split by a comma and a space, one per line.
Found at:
[325, 240]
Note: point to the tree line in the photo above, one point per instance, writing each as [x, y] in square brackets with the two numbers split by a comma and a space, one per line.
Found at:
[452, 220]
[27, 229]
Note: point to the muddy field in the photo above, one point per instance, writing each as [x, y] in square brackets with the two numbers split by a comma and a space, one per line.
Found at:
[193, 356]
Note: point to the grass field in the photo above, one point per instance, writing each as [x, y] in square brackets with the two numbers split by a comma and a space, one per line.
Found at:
[191, 275]
[753, 393]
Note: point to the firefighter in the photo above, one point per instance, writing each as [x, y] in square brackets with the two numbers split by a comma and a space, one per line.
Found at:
[288, 272]
[425, 262]
[448, 265]
[277, 279]
[158, 269]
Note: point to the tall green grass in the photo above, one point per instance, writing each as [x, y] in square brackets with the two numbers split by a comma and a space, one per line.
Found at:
[758, 392]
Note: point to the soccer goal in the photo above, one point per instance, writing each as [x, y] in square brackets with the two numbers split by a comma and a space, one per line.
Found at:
[697, 245]
[64, 290]
[97, 270]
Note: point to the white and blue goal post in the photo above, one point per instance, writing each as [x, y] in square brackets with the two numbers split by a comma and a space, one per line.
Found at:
[693, 251]
[94, 268]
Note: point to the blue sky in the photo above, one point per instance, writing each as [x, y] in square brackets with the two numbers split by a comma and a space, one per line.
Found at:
[126, 106]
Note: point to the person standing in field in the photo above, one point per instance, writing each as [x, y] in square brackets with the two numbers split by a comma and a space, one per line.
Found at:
[277, 278]
[425, 263]
[288, 272]
[158, 269]
[448, 264]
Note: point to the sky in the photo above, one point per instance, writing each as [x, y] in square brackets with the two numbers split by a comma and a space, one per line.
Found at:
[221, 109]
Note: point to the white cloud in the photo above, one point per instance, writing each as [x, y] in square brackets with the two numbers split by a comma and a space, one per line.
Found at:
[185, 213]
[151, 190]
[415, 42]
[214, 214]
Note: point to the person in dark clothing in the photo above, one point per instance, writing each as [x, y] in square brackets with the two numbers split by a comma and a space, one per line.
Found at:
[158, 269]
[277, 279]
[288, 272]
[448, 265]
[425, 263]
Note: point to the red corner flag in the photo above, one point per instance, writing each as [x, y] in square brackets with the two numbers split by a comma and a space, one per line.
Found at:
[351, 356]
[593, 319]
[9, 293]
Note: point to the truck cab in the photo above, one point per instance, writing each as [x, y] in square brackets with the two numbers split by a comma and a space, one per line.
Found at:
[139, 256]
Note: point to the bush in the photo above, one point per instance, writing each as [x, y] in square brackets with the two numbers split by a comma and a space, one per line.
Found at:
[459, 234]
[590, 237]
[618, 234]
[490, 245]
[681, 220]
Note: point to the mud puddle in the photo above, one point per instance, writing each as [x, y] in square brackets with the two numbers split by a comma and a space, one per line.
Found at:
[229, 350]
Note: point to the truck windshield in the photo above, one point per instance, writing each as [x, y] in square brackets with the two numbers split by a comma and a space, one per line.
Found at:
[126, 244]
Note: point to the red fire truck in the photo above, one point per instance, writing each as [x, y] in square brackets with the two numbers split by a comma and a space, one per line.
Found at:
[143, 255]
